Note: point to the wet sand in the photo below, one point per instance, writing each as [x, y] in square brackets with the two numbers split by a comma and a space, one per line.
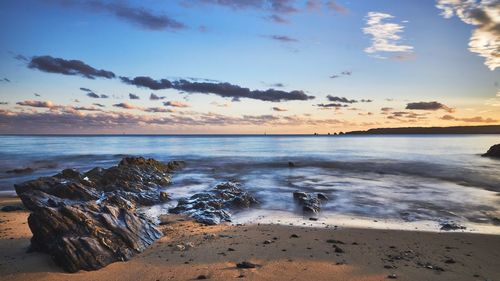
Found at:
[279, 252]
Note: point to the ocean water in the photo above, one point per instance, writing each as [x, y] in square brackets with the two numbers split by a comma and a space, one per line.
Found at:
[404, 181]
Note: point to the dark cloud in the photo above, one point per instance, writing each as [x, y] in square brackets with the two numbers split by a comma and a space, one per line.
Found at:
[405, 116]
[340, 99]
[155, 97]
[136, 15]
[279, 109]
[93, 95]
[283, 38]
[86, 89]
[5, 80]
[334, 6]
[68, 67]
[99, 105]
[477, 119]
[386, 110]
[221, 89]
[334, 76]
[104, 96]
[21, 58]
[433, 105]
[331, 105]
[126, 105]
[3, 103]
[175, 104]
[277, 19]
[133, 97]
[348, 73]
[365, 100]
[147, 82]
[275, 6]
[37, 95]
[343, 73]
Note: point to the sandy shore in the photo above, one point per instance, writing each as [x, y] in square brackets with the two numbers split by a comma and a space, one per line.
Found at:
[280, 253]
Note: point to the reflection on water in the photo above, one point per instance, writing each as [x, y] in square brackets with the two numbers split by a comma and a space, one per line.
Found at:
[409, 178]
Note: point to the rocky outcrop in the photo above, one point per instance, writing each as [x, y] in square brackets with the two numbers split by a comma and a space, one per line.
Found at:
[87, 221]
[494, 151]
[310, 203]
[214, 206]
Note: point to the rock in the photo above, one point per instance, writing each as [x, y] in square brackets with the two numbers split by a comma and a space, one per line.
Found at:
[201, 277]
[338, 249]
[214, 206]
[246, 264]
[392, 276]
[322, 196]
[447, 226]
[494, 151]
[291, 164]
[164, 196]
[27, 170]
[310, 203]
[180, 247]
[87, 221]
[294, 236]
[268, 242]
[11, 208]
[450, 261]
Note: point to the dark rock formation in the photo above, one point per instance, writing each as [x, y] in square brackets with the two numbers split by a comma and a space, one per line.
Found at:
[213, 207]
[310, 203]
[87, 221]
[494, 151]
[447, 226]
[11, 208]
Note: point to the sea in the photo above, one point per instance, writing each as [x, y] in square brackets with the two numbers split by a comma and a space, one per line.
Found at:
[407, 182]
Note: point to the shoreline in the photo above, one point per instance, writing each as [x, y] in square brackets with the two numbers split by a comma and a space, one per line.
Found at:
[365, 254]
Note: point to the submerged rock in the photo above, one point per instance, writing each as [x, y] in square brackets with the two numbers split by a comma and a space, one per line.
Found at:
[87, 221]
[27, 170]
[213, 207]
[310, 203]
[494, 151]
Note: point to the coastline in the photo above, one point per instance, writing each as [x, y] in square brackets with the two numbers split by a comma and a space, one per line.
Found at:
[366, 254]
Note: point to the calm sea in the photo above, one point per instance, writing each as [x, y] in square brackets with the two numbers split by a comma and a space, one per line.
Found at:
[384, 181]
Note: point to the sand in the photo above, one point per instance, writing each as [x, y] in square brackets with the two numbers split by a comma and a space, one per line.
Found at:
[280, 253]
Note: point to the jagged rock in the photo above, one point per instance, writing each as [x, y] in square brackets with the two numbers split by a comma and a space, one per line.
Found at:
[446, 226]
[213, 207]
[87, 221]
[310, 203]
[494, 151]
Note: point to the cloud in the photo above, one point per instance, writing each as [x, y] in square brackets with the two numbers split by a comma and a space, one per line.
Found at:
[345, 100]
[99, 105]
[279, 109]
[218, 88]
[39, 104]
[386, 110]
[433, 105]
[477, 119]
[5, 80]
[175, 104]
[275, 6]
[332, 105]
[155, 97]
[343, 73]
[3, 103]
[385, 35]
[214, 103]
[36, 95]
[96, 96]
[333, 5]
[277, 19]
[339, 99]
[94, 122]
[485, 16]
[158, 110]
[282, 38]
[86, 108]
[68, 67]
[405, 116]
[135, 15]
[126, 105]
[147, 82]
[133, 97]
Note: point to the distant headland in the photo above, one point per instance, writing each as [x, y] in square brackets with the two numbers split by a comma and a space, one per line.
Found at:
[489, 129]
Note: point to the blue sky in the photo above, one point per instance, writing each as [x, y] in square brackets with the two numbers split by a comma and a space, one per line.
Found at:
[231, 44]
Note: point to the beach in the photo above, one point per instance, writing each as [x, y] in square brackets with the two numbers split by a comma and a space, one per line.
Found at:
[279, 252]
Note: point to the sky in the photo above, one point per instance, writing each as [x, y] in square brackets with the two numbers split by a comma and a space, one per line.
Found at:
[247, 66]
